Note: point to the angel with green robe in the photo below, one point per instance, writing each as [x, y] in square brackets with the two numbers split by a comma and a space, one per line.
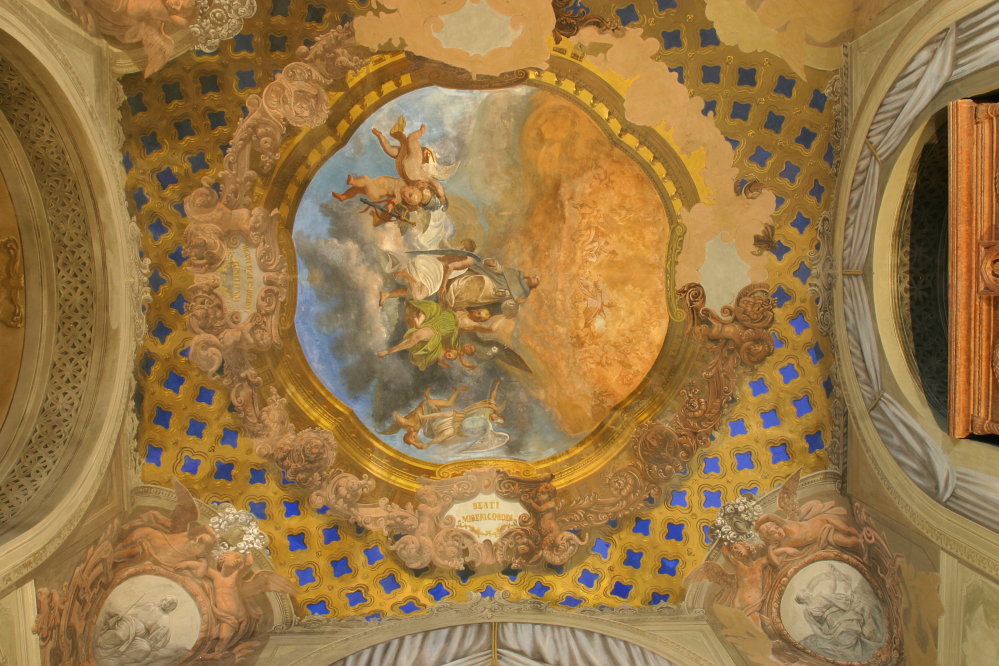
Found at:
[433, 336]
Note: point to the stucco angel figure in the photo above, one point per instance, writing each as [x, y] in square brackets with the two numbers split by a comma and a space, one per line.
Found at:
[132, 21]
[742, 589]
[168, 541]
[813, 527]
[232, 594]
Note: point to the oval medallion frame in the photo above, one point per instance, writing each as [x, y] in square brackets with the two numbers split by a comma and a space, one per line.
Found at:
[310, 400]
[774, 624]
[187, 584]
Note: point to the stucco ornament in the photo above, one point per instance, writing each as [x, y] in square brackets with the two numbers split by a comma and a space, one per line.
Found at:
[155, 23]
[735, 522]
[220, 19]
[237, 530]
[821, 584]
[86, 622]
[225, 232]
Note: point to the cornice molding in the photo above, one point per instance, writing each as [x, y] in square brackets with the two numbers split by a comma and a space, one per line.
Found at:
[684, 638]
[82, 97]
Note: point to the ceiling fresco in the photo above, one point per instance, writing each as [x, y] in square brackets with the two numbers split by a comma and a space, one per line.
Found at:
[550, 260]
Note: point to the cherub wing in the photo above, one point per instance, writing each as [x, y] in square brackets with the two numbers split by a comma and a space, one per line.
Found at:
[494, 349]
[787, 496]
[816, 508]
[441, 171]
[266, 581]
[713, 572]
[156, 43]
[84, 15]
[186, 510]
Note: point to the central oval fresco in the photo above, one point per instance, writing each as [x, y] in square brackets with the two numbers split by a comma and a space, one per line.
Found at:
[482, 274]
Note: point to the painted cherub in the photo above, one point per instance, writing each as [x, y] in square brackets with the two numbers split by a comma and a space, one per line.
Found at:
[815, 526]
[415, 164]
[232, 594]
[169, 541]
[392, 192]
[743, 589]
[137, 21]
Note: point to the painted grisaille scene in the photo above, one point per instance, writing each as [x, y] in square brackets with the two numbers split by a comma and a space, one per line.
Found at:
[481, 274]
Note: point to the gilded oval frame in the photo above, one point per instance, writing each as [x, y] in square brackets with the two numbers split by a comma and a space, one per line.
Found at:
[395, 75]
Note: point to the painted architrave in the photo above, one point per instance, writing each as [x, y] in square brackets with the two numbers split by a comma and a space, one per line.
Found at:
[78, 98]
[974, 282]
[683, 637]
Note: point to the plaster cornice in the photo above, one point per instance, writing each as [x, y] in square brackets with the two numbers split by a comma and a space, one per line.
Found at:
[684, 639]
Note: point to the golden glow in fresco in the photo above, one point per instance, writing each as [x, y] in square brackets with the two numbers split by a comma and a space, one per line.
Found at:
[629, 166]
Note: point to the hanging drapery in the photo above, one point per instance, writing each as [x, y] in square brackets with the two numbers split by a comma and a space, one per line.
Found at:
[516, 645]
[456, 646]
[962, 49]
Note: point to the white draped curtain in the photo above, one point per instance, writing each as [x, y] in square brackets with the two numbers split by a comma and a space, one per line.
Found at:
[962, 49]
[517, 645]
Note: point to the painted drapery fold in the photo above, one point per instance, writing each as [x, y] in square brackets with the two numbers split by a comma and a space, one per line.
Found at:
[962, 49]
[517, 645]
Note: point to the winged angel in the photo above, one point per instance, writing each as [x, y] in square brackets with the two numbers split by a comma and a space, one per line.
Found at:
[477, 301]
[180, 544]
[133, 21]
[756, 547]
[471, 428]
[418, 185]
[168, 541]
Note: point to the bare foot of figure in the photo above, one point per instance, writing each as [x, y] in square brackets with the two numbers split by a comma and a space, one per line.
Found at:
[350, 179]
[382, 295]
[383, 354]
[338, 196]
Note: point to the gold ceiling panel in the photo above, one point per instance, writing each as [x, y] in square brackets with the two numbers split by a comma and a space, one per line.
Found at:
[178, 125]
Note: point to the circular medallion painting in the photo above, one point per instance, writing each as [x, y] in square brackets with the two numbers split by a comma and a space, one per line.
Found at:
[830, 608]
[481, 274]
[146, 620]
